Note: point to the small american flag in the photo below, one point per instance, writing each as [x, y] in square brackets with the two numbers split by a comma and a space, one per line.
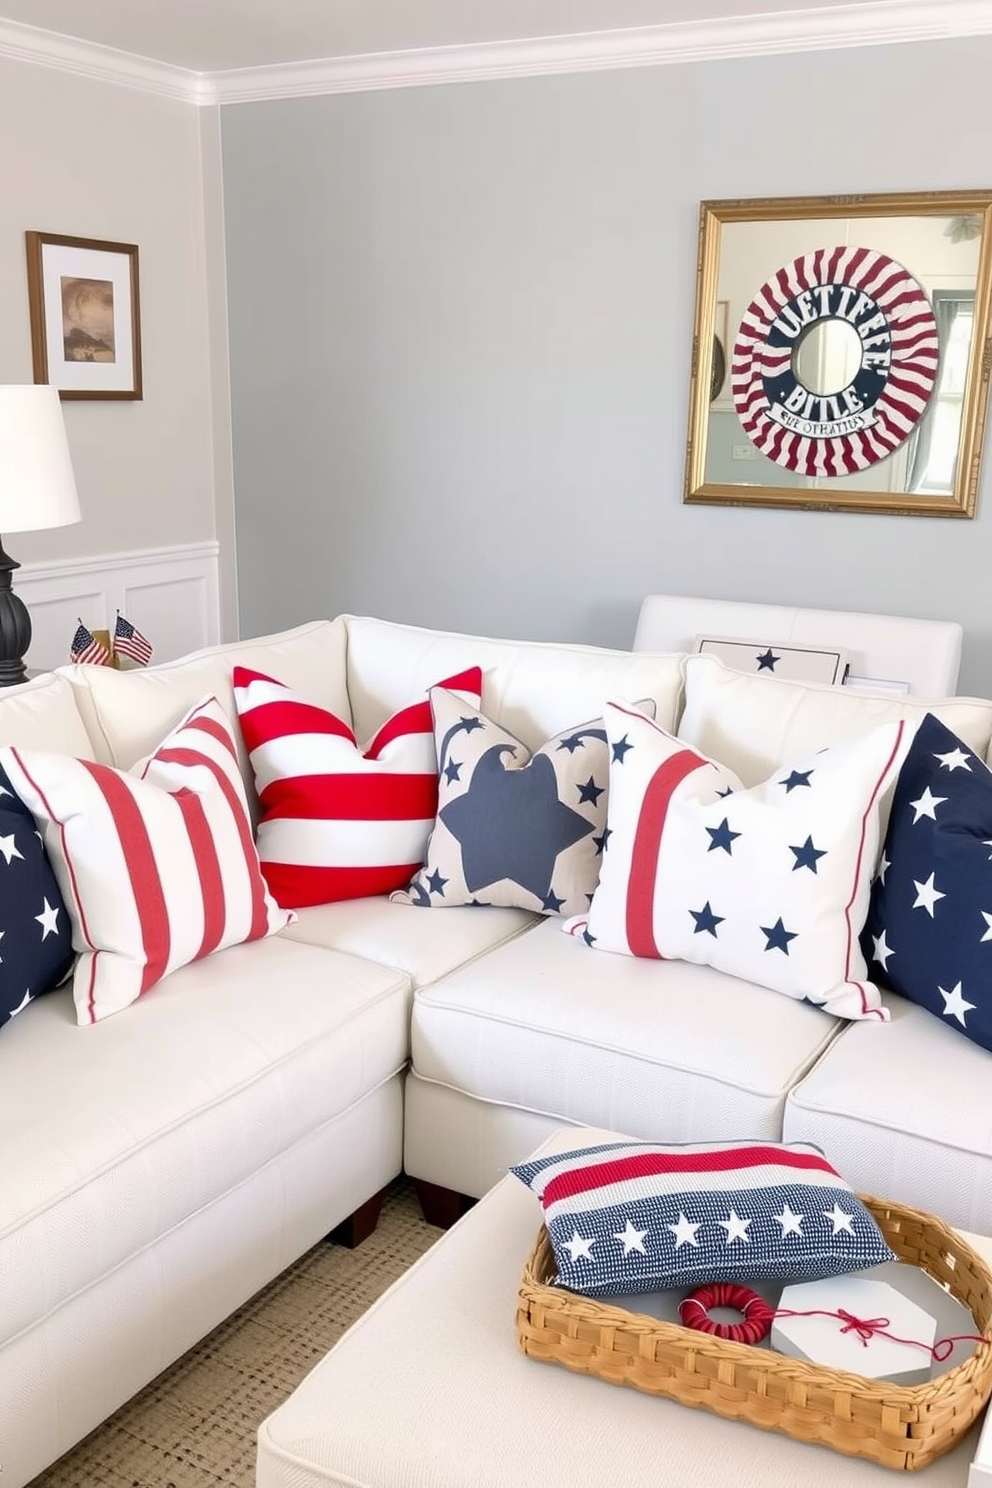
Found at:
[86, 648]
[130, 642]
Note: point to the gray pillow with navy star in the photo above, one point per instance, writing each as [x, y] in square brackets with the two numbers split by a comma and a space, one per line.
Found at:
[35, 932]
[513, 828]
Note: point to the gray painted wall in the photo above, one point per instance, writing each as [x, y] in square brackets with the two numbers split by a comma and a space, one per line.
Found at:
[460, 320]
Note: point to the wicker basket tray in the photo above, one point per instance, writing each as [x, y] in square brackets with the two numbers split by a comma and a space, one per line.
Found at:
[897, 1426]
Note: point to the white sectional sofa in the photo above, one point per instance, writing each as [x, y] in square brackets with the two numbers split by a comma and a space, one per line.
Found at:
[159, 1167]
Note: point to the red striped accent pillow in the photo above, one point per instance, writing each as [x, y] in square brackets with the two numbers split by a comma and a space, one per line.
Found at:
[339, 822]
[157, 865]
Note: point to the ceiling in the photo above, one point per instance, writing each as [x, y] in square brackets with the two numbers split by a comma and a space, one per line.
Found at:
[209, 36]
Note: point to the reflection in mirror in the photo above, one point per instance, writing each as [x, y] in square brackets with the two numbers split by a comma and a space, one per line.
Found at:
[827, 356]
[932, 453]
[718, 376]
[855, 331]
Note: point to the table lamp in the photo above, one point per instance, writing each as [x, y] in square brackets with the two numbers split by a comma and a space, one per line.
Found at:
[37, 490]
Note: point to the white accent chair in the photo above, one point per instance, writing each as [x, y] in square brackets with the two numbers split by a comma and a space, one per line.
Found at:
[883, 649]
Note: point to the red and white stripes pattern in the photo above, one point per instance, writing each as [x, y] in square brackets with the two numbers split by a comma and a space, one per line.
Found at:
[157, 865]
[623, 1174]
[907, 389]
[339, 822]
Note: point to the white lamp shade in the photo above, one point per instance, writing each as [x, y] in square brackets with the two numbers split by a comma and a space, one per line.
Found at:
[37, 486]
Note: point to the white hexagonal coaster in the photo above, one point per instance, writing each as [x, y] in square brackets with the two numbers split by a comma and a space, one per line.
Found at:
[824, 1340]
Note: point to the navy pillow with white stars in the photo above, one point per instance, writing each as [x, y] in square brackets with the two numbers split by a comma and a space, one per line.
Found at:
[929, 925]
[35, 931]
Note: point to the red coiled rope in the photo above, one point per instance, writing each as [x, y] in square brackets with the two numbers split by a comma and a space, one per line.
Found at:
[757, 1320]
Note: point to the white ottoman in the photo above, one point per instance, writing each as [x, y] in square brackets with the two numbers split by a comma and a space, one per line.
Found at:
[428, 1390]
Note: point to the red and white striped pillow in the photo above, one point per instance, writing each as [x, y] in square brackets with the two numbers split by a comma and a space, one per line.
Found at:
[157, 865]
[339, 822]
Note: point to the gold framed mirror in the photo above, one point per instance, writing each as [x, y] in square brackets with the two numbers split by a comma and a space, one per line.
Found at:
[841, 353]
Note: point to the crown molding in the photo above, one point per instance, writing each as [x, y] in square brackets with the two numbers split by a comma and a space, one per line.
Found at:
[881, 22]
[102, 63]
[828, 28]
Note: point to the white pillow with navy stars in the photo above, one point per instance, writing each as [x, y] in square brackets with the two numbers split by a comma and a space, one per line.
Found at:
[513, 828]
[929, 928]
[627, 1217]
[770, 884]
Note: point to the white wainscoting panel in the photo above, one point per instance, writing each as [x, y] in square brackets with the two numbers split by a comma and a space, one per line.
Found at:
[170, 594]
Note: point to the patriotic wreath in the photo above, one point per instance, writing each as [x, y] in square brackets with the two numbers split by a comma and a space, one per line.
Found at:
[839, 433]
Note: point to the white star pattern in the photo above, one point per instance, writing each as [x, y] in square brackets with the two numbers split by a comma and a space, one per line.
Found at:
[791, 1223]
[684, 1231]
[883, 868]
[954, 1004]
[942, 865]
[23, 1004]
[631, 1239]
[736, 1212]
[736, 1228]
[881, 951]
[10, 849]
[48, 920]
[926, 895]
[580, 1248]
[926, 805]
[956, 759]
[839, 1219]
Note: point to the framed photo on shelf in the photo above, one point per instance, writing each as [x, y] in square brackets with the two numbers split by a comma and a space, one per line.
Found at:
[85, 322]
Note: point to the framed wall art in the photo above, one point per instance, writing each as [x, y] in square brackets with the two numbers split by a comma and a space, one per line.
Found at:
[85, 323]
[856, 337]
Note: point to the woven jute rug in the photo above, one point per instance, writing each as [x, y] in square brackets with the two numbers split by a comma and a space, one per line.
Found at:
[194, 1426]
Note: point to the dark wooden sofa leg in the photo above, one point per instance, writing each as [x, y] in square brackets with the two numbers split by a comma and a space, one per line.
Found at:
[360, 1225]
[441, 1206]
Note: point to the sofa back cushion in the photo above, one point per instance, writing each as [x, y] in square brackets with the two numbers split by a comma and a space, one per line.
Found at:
[129, 713]
[755, 724]
[43, 715]
[534, 689]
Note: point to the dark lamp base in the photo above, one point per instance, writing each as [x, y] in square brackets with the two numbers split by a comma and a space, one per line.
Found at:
[15, 626]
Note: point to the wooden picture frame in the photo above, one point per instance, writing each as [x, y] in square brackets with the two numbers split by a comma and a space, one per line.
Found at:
[85, 319]
[858, 375]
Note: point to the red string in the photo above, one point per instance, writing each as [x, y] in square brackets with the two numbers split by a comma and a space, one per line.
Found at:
[758, 1316]
[868, 1328]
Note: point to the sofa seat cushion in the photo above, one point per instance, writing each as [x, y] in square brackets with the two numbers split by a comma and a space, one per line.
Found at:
[663, 1050]
[114, 1134]
[903, 1110]
[424, 946]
